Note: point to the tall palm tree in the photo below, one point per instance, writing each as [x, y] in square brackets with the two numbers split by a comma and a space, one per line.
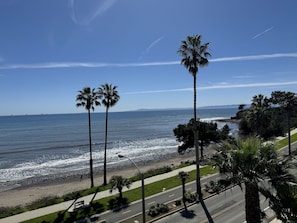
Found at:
[194, 55]
[183, 176]
[253, 163]
[288, 102]
[87, 98]
[110, 97]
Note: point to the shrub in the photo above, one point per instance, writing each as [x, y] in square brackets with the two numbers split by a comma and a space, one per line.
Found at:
[115, 203]
[158, 209]
[190, 197]
[213, 187]
[177, 202]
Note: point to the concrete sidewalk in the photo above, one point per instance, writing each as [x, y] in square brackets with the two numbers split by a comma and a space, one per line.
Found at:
[64, 205]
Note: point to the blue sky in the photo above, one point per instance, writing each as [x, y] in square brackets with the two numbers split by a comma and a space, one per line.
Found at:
[51, 49]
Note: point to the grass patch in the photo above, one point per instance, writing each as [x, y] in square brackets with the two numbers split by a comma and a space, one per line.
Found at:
[284, 142]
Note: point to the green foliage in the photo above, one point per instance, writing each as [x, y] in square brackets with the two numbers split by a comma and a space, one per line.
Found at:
[190, 197]
[158, 209]
[117, 203]
[8, 211]
[284, 142]
[208, 132]
[119, 182]
[250, 161]
[267, 120]
[213, 187]
[44, 202]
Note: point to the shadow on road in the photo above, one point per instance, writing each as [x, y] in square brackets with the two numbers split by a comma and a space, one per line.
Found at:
[187, 214]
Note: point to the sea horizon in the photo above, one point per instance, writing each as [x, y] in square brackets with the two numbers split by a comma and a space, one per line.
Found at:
[232, 106]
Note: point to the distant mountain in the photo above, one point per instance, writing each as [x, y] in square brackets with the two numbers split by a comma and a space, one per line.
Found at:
[218, 106]
[203, 107]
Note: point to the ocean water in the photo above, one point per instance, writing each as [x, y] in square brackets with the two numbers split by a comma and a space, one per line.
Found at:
[49, 146]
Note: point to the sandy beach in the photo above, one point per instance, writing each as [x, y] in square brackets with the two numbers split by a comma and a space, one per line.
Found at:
[24, 195]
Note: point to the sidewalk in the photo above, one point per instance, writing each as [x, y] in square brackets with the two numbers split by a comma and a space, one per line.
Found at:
[63, 206]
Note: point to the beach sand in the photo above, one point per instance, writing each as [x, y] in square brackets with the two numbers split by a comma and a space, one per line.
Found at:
[25, 195]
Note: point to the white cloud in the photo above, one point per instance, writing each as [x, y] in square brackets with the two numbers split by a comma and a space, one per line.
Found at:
[262, 33]
[251, 85]
[145, 64]
[219, 86]
[84, 65]
[159, 91]
[243, 76]
[255, 57]
[147, 50]
[94, 11]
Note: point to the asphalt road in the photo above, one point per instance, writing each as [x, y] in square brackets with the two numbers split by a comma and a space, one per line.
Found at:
[225, 207]
[228, 206]
[164, 197]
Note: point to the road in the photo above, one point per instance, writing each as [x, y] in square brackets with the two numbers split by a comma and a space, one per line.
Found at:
[228, 206]
[164, 197]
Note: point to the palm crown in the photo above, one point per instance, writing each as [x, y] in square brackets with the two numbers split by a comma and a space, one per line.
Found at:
[194, 53]
[109, 94]
[87, 98]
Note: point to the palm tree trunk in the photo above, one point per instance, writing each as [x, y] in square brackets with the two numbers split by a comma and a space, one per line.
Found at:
[289, 133]
[90, 143]
[201, 150]
[120, 194]
[252, 203]
[184, 193]
[105, 146]
[196, 142]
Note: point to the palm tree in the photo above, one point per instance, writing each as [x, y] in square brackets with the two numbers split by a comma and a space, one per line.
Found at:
[118, 183]
[183, 176]
[110, 97]
[258, 117]
[288, 102]
[194, 54]
[252, 163]
[87, 98]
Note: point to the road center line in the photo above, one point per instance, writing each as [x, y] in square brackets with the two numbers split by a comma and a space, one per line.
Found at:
[150, 203]
[171, 195]
[126, 212]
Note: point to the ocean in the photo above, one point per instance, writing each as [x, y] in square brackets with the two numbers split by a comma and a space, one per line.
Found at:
[48, 146]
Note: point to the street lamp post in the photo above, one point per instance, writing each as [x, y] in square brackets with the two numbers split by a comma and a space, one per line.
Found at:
[142, 186]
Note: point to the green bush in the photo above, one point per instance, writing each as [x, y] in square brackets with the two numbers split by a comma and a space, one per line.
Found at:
[116, 202]
[158, 209]
[190, 197]
[213, 187]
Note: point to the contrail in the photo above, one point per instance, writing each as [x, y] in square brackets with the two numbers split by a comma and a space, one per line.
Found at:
[265, 31]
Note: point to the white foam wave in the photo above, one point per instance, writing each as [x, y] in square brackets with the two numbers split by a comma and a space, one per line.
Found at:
[213, 119]
[138, 150]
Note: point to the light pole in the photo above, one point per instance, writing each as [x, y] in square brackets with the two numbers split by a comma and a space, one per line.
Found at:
[142, 185]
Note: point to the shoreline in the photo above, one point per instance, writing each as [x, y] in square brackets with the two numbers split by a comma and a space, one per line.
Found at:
[28, 193]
